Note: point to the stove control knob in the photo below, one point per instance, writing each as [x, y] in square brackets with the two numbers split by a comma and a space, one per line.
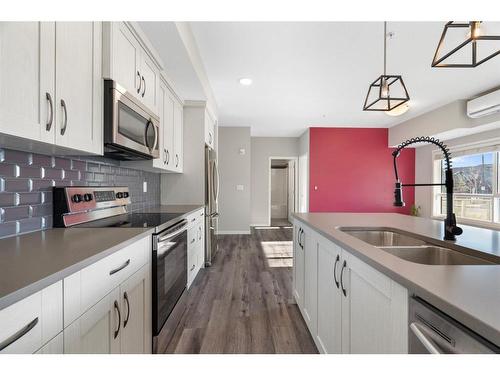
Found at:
[126, 194]
[119, 195]
[77, 198]
[87, 197]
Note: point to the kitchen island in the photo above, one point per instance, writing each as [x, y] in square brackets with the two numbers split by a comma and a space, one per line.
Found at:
[469, 294]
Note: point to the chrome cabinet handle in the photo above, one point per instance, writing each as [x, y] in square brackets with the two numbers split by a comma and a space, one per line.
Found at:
[335, 270]
[117, 308]
[192, 241]
[192, 267]
[164, 156]
[210, 138]
[112, 272]
[298, 237]
[200, 234]
[144, 90]
[176, 160]
[427, 343]
[51, 108]
[344, 290]
[63, 106]
[125, 297]
[140, 82]
[16, 336]
[168, 157]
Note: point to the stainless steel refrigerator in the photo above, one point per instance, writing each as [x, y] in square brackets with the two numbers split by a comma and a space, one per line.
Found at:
[211, 204]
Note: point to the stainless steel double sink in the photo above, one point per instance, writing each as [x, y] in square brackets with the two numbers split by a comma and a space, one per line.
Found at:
[413, 249]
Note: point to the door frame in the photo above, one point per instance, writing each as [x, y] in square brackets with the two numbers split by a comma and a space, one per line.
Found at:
[296, 181]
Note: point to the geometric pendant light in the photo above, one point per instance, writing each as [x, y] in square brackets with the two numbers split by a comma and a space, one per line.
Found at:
[464, 45]
[387, 91]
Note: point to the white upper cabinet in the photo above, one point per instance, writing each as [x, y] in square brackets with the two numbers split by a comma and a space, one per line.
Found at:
[127, 61]
[50, 90]
[78, 72]
[27, 79]
[178, 147]
[168, 130]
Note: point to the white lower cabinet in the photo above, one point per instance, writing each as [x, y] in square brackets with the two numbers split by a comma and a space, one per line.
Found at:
[196, 245]
[348, 306]
[54, 346]
[97, 330]
[329, 334]
[29, 324]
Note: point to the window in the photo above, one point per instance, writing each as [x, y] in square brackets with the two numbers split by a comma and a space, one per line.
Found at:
[476, 195]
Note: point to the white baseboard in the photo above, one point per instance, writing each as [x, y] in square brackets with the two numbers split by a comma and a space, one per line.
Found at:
[233, 232]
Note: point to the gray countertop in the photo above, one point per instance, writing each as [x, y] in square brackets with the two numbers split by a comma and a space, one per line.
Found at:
[469, 293]
[33, 261]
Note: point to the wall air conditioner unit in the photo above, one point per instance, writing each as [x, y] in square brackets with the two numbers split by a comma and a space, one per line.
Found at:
[484, 105]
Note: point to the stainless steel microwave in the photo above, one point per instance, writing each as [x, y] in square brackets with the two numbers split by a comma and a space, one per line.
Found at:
[131, 130]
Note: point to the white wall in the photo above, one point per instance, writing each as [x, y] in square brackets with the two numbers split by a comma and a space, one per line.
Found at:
[279, 193]
[234, 168]
[262, 149]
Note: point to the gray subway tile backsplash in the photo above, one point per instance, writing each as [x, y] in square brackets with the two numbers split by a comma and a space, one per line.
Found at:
[26, 181]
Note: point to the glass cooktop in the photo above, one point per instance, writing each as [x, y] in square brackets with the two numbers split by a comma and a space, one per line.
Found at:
[134, 220]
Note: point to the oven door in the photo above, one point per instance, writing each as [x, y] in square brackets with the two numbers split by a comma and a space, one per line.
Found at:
[169, 272]
[131, 130]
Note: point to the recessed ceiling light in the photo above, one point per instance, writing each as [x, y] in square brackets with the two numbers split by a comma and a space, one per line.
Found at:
[246, 81]
[399, 110]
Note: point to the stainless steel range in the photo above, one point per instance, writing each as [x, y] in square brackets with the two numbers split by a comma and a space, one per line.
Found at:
[99, 207]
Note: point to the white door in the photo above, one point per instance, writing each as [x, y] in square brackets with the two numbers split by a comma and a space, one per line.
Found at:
[178, 139]
[374, 310]
[291, 189]
[279, 197]
[329, 335]
[136, 327]
[126, 59]
[27, 79]
[298, 265]
[310, 280]
[150, 79]
[75, 82]
[97, 331]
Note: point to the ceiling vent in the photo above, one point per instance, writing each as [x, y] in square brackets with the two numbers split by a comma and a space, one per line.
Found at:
[484, 105]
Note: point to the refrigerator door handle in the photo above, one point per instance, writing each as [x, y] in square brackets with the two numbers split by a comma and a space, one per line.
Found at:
[216, 176]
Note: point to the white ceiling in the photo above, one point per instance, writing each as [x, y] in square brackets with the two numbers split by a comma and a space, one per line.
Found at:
[167, 42]
[317, 74]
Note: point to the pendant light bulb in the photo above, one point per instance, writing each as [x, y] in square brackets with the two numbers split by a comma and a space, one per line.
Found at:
[384, 92]
[475, 29]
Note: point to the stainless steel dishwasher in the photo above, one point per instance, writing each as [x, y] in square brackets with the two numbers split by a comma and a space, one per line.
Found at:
[433, 332]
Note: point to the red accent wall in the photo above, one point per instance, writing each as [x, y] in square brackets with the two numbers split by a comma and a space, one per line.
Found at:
[353, 171]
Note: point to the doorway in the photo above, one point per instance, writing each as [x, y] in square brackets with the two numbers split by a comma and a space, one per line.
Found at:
[282, 190]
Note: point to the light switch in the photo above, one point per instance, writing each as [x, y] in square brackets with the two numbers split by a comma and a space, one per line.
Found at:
[242, 151]
[240, 187]
[145, 187]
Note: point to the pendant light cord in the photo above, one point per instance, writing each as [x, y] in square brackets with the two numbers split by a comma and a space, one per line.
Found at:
[385, 47]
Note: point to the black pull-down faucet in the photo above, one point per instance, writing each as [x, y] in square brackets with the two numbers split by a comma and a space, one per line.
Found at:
[450, 224]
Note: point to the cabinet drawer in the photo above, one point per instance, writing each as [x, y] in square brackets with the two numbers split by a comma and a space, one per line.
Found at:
[28, 324]
[84, 288]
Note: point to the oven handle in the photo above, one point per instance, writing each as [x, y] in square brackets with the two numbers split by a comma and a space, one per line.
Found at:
[170, 234]
[426, 342]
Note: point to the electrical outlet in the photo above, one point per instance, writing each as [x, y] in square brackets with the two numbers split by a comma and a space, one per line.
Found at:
[240, 187]
[145, 187]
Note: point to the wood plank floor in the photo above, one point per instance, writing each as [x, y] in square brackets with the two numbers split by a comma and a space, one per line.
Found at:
[243, 303]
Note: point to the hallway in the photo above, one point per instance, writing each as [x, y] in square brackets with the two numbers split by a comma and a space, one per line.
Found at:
[244, 303]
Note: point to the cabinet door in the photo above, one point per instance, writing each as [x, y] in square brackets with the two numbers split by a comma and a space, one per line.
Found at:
[161, 162]
[168, 131]
[150, 79]
[374, 310]
[136, 317]
[77, 75]
[27, 79]
[178, 137]
[54, 346]
[97, 331]
[329, 335]
[310, 280]
[298, 266]
[125, 58]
